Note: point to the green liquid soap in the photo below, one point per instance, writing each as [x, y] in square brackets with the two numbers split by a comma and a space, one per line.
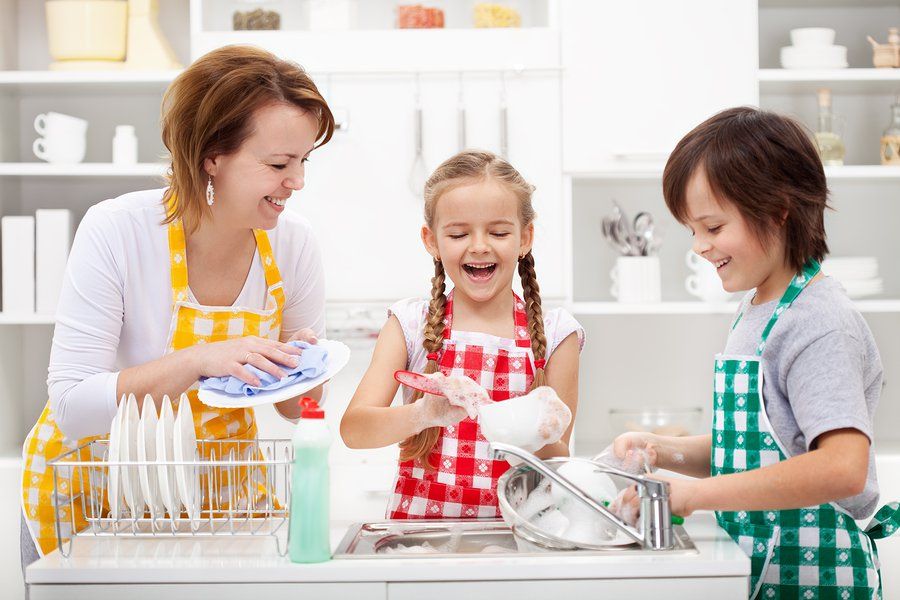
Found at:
[309, 540]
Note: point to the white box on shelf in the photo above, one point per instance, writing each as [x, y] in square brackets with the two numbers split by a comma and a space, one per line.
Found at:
[54, 238]
[17, 251]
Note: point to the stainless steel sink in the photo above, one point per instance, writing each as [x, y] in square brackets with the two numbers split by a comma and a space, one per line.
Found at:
[466, 537]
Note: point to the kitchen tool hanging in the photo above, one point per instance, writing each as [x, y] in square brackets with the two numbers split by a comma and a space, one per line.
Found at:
[639, 237]
[504, 119]
[418, 173]
[461, 117]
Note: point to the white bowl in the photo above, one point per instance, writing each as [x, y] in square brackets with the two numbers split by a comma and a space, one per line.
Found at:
[820, 57]
[812, 37]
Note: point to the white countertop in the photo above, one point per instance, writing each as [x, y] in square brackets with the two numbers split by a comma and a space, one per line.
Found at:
[241, 560]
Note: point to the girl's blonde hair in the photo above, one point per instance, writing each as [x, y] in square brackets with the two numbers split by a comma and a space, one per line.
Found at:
[455, 171]
[208, 111]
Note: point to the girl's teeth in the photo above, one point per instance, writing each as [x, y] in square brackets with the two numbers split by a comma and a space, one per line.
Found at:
[277, 201]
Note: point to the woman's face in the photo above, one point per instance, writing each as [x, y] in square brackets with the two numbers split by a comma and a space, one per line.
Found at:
[253, 184]
[479, 237]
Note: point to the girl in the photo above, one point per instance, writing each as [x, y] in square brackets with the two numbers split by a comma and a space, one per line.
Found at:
[789, 464]
[479, 226]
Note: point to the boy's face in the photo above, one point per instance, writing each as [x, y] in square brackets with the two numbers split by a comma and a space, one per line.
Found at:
[722, 236]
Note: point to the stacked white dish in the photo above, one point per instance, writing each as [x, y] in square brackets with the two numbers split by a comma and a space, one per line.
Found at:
[153, 441]
[813, 48]
[858, 274]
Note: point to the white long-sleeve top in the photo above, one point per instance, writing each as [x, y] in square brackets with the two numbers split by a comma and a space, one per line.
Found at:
[116, 302]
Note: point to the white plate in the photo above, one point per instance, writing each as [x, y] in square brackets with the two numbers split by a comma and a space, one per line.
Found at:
[146, 451]
[338, 355]
[185, 449]
[113, 485]
[165, 454]
[131, 485]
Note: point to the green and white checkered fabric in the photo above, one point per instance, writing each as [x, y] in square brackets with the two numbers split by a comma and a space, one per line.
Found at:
[816, 552]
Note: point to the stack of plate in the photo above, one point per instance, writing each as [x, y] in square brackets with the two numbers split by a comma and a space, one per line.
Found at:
[142, 436]
[858, 274]
[813, 48]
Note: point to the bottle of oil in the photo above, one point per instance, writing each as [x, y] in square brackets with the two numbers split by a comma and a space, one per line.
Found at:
[890, 139]
[831, 146]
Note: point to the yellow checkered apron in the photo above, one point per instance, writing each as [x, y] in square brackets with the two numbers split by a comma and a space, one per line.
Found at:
[191, 323]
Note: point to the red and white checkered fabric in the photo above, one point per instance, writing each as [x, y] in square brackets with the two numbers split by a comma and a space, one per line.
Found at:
[464, 481]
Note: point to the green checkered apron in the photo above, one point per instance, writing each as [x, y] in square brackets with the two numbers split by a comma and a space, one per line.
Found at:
[814, 552]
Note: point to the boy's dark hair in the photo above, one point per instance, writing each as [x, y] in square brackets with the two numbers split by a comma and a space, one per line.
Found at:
[766, 165]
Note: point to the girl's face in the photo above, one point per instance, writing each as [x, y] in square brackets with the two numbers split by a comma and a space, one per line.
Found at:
[722, 237]
[253, 184]
[479, 237]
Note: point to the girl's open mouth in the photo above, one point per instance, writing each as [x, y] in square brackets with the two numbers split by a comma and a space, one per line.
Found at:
[480, 271]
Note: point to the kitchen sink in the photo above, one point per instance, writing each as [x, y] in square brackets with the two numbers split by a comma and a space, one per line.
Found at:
[467, 538]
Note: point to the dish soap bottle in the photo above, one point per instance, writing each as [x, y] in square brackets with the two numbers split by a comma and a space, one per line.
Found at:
[890, 139]
[308, 538]
[831, 147]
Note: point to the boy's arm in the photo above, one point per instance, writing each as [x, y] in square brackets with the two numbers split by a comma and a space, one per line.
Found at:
[835, 468]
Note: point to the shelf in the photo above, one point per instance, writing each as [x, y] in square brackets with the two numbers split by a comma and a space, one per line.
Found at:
[856, 81]
[93, 81]
[401, 51]
[701, 308]
[655, 171]
[41, 169]
[813, 4]
[25, 319]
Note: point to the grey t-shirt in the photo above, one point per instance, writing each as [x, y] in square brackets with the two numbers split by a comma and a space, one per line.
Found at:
[821, 372]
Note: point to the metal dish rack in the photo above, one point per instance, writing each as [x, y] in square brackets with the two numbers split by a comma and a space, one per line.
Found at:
[257, 506]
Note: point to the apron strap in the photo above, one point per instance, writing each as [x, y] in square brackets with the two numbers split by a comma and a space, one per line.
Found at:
[794, 288]
[267, 257]
[885, 523]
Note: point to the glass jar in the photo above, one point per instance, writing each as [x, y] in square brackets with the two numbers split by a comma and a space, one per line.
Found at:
[257, 15]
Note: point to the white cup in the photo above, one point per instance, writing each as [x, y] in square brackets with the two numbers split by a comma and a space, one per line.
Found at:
[812, 37]
[63, 138]
[636, 279]
[704, 282]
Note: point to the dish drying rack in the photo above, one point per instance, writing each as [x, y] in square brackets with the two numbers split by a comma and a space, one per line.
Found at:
[257, 507]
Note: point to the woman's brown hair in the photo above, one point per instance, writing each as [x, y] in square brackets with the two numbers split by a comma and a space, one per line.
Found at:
[768, 167]
[208, 111]
[465, 167]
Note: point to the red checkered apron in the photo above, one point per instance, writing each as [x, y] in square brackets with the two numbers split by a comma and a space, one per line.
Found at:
[464, 482]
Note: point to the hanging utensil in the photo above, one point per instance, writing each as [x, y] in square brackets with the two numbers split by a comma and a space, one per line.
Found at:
[419, 171]
[461, 117]
[643, 231]
[504, 119]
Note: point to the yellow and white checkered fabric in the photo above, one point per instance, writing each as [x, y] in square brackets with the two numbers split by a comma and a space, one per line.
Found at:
[191, 324]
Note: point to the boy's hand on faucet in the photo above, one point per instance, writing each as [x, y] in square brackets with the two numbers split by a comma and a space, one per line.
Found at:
[627, 504]
[436, 411]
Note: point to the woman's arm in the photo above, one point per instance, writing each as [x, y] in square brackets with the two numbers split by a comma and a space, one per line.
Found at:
[562, 376]
[836, 468]
[370, 421]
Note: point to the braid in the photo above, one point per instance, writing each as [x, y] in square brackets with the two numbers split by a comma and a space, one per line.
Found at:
[419, 446]
[532, 293]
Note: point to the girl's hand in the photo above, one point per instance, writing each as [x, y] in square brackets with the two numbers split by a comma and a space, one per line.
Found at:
[436, 411]
[230, 357]
[304, 335]
[627, 504]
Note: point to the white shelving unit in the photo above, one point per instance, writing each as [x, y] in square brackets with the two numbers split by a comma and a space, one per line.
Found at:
[702, 308]
[856, 80]
[654, 171]
[82, 170]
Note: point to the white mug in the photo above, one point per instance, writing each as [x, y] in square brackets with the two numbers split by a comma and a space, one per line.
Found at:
[64, 138]
[704, 282]
[636, 279]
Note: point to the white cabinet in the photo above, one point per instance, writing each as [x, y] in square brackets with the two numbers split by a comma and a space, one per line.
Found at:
[638, 75]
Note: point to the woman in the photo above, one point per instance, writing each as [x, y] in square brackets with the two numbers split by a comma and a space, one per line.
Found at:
[197, 279]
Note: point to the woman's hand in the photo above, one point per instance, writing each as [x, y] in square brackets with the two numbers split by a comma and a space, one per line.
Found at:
[231, 357]
[304, 335]
[436, 411]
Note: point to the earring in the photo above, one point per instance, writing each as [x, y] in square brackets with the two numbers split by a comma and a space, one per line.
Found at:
[210, 192]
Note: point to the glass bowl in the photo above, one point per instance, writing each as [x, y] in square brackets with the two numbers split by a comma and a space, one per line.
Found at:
[660, 420]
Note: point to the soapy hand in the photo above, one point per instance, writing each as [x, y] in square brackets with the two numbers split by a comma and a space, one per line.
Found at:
[633, 452]
[627, 504]
[462, 391]
[436, 411]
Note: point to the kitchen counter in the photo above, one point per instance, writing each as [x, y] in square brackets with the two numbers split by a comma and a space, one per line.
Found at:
[234, 568]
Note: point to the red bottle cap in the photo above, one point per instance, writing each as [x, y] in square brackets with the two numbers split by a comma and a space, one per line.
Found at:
[310, 409]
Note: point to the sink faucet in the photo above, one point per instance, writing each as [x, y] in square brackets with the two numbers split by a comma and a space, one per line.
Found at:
[655, 532]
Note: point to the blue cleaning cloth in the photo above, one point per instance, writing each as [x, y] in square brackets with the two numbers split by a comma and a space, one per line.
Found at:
[311, 364]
